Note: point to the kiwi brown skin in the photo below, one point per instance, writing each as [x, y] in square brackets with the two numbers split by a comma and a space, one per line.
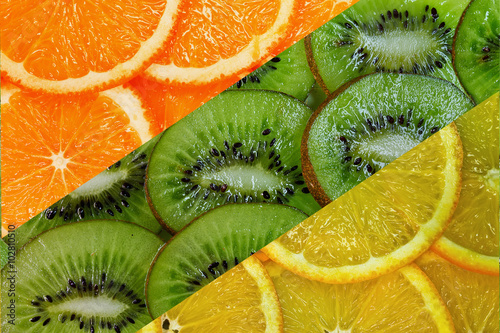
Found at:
[312, 182]
[314, 66]
[454, 46]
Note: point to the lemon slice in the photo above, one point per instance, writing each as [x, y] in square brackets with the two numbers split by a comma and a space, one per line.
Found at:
[472, 298]
[471, 241]
[402, 301]
[243, 298]
[382, 224]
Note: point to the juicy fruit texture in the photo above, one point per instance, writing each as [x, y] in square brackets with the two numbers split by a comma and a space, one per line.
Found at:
[402, 301]
[242, 146]
[241, 299]
[370, 123]
[85, 275]
[116, 193]
[383, 223]
[211, 245]
[53, 144]
[205, 51]
[288, 72]
[380, 35]
[471, 298]
[66, 47]
[476, 49]
[471, 241]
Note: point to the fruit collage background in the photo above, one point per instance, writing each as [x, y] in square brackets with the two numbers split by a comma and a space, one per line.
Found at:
[324, 189]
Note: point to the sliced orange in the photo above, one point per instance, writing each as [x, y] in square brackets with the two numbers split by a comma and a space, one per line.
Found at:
[223, 38]
[242, 300]
[383, 223]
[402, 301]
[472, 239]
[53, 144]
[64, 46]
[472, 298]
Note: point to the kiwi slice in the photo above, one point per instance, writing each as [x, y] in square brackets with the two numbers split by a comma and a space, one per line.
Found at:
[288, 72]
[116, 193]
[4, 253]
[210, 246]
[391, 36]
[84, 276]
[476, 49]
[370, 122]
[315, 97]
[242, 146]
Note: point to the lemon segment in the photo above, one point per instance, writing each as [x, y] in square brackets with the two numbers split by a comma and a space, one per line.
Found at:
[471, 298]
[472, 239]
[402, 301]
[382, 224]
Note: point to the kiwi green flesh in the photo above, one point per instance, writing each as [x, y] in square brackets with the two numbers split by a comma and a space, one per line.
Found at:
[240, 147]
[372, 122]
[211, 245]
[477, 49]
[86, 276]
[116, 193]
[390, 36]
[288, 72]
[315, 97]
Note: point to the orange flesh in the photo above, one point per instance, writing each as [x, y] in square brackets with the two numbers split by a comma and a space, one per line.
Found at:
[50, 146]
[59, 39]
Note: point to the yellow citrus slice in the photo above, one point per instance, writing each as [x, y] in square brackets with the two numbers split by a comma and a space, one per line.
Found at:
[402, 301]
[471, 241]
[471, 298]
[240, 301]
[223, 38]
[66, 47]
[383, 223]
[52, 144]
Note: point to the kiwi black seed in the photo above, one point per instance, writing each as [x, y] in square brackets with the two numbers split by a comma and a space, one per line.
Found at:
[476, 49]
[116, 193]
[211, 245]
[86, 276]
[242, 146]
[288, 72]
[390, 36]
[369, 123]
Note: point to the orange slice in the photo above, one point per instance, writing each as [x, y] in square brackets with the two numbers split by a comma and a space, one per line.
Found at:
[242, 300]
[472, 298]
[53, 144]
[223, 38]
[66, 47]
[383, 223]
[471, 241]
[402, 301]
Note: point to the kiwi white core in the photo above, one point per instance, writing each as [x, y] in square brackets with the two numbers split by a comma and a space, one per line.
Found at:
[399, 47]
[100, 183]
[386, 148]
[245, 178]
[102, 306]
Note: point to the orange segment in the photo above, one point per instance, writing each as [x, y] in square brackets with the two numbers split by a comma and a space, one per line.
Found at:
[220, 39]
[51, 145]
[66, 47]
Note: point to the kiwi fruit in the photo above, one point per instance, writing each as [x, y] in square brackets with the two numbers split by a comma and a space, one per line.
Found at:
[476, 49]
[86, 276]
[4, 253]
[370, 122]
[315, 97]
[410, 36]
[210, 246]
[242, 146]
[288, 72]
[116, 193]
